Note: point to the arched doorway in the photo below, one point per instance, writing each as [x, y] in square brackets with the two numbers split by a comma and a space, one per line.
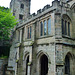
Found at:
[44, 65]
[27, 61]
[67, 65]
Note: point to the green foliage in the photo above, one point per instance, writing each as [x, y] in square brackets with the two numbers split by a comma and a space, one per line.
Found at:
[3, 57]
[7, 22]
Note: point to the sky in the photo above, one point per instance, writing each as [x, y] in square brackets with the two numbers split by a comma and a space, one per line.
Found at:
[35, 4]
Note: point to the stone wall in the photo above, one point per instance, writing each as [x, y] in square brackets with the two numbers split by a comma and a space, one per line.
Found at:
[3, 66]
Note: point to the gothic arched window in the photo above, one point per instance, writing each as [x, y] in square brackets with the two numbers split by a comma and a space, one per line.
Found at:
[67, 65]
[27, 61]
[45, 27]
[66, 26]
[44, 65]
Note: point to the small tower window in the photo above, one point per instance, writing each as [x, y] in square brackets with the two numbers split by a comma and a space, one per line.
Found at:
[20, 17]
[22, 6]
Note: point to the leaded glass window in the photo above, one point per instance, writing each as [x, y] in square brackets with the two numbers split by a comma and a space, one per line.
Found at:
[41, 29]
[19, 35]
[22, 33]
[49, 26]
[65, 27]
[45, 27]
[66, 22]
[30, 31]
[68, 28]
[62, 26]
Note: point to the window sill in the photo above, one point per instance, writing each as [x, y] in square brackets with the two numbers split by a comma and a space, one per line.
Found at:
[66, 36]
[28, 39]
[45, 36]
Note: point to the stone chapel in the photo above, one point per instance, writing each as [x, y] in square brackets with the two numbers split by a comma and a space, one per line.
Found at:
[43, 43]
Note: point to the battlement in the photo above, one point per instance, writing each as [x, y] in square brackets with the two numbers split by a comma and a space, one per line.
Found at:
[55, 7]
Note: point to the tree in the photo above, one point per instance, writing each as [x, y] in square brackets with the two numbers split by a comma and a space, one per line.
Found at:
[7, 22]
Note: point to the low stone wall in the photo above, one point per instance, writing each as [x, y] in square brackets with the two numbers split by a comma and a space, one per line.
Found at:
[3, 63]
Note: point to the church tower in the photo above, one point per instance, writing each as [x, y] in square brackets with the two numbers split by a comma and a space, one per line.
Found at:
[20, 8]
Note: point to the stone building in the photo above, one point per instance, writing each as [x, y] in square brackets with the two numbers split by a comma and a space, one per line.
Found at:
[44, 43]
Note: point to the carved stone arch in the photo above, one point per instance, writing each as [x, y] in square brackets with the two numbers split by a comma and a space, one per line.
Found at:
[25, 62]
[66, 23]
[43, 56]
[25, 55]
[66, 15]
[40, 53]
[71, 55]
[69, 63]
[65, 56]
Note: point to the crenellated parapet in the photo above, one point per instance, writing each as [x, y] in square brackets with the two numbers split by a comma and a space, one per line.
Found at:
[56, 7]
